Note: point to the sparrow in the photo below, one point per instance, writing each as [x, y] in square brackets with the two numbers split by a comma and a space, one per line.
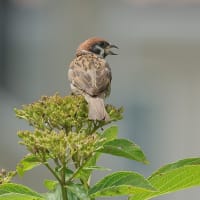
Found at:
[90, 75]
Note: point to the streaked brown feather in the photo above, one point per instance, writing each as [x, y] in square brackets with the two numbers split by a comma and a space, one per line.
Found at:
[90, 74]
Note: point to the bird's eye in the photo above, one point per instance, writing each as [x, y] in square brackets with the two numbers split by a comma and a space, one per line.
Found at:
[99, 48]
[103, 44]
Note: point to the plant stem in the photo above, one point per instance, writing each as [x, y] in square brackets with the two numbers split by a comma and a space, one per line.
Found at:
[64, 192]
[78, 169]
[63, 188]
[52, 171]
[61, 181]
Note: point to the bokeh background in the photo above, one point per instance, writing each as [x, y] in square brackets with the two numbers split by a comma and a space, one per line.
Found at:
[156, 76]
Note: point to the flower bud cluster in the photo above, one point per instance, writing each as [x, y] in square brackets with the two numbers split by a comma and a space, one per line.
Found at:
[6, 176]
[62, 130]
[59, 145]
[69, 113]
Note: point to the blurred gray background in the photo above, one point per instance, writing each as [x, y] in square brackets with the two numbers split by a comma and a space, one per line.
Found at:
[156, 76]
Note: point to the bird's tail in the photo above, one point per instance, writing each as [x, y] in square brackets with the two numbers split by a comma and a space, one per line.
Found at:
[97, 109]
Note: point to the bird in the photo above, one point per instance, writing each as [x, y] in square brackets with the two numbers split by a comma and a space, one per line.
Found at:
[90, 75]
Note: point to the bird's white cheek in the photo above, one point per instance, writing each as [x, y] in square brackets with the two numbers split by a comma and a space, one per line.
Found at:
[102, 51]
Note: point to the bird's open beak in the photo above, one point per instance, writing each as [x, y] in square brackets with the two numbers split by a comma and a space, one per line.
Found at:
[108, 49]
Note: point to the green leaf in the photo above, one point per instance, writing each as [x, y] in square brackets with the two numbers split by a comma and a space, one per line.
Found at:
[173, 177]
[99, 168]
[50, 184]
[110, 133]
[71, 196]
[18, 192]
[68, 173]
[27, 163]
[124, 148]
[78, 191]
[175, 165]
[120, 183]
[54, 195]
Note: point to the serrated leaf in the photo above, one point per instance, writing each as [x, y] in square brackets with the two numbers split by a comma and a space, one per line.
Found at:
[124, 148]
[50, 184]
[18, 192]
[27, 163]
[120, 183]
[78, 191]
[173, 177]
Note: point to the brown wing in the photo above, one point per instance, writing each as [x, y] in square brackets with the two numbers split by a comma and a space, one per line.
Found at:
[90, 74]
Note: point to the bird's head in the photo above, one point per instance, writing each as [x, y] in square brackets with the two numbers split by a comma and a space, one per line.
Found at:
[97, 46]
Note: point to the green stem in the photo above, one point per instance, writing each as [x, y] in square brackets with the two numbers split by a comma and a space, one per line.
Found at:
[63, 188]
[78, 169]
[53, 172]
[56, 162]
[61, 181]
[64, 192]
